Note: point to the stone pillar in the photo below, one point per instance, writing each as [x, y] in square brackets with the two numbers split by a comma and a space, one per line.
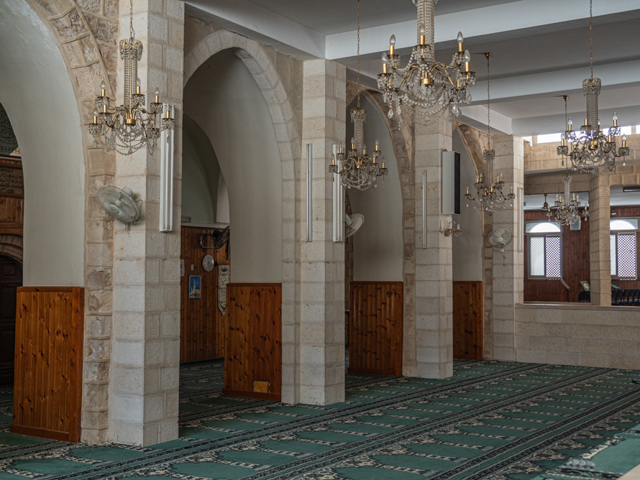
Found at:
[434, 268]
[146, 274]
[321, 335]
[508, 269]
[599, 241]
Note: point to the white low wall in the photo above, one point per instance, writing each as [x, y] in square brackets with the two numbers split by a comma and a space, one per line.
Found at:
[582, 335]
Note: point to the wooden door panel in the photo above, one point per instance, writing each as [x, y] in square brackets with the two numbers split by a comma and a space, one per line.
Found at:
[48, 362]
[467, 320]
[254, 340]
[375, 328]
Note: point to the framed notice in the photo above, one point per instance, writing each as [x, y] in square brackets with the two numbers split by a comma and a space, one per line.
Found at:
[194, 286]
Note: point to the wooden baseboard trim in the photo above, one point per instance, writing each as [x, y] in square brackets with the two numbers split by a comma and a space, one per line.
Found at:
[39, 432]
[276, 397]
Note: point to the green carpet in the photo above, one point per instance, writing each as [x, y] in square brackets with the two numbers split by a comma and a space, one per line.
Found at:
[494, 420]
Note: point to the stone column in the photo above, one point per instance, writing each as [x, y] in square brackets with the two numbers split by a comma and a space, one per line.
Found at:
[146, 274]
[508, 269]
[321, 335]
[599, 240]
[434, 272]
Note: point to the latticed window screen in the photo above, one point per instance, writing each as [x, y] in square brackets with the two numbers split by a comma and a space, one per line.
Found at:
[552, 257]
[536, 255]
[614, 255]
[626, 255]
[545, 259]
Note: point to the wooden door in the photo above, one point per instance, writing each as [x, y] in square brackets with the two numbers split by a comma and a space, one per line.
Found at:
[375, 328]
[10, 280]
[467, 320]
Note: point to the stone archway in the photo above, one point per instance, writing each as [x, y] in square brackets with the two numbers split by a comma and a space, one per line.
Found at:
[402, 140]
[264, 72]
[11, 246]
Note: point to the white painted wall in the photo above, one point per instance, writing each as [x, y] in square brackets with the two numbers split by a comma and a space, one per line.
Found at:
[37, 93]
[222, 213]
[200, 174]
[467, 248]
[378, 247]
[223, 98]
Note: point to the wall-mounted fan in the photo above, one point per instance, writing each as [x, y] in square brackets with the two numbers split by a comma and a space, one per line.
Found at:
[120, 204]
[500, 238]
[220, 238]
[353, 223]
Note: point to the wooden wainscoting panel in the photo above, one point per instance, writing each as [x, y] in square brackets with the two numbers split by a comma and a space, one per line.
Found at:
[467, 320]
[375, 328]
[202, 325]
[254, 340]
[48, 362]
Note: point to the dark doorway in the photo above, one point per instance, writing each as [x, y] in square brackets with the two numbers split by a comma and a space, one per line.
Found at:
[10, 280]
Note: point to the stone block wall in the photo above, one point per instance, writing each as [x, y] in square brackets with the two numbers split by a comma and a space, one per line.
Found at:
[588, 336]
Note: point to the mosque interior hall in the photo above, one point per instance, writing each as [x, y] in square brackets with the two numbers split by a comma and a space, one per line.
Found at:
[348, 239]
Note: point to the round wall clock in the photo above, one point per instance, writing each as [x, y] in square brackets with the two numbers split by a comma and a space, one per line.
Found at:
[208, 263]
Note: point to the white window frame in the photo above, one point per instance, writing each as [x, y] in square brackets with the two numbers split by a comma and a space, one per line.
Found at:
[616, 233]
[544, 235]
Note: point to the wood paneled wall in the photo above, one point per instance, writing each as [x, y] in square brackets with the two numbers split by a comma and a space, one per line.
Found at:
[202, 325]
[375, 328]
[11, 199]
[48, 362]
[467, 320]
[254, 340]
[575, 261]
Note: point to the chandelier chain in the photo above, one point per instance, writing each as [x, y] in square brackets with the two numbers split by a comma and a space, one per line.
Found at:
[591, 35]
[488, 55]
[356, 168]
[358, 52]
[131, 32]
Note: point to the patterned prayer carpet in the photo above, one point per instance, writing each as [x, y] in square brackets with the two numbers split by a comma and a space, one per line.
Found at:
[493, 420]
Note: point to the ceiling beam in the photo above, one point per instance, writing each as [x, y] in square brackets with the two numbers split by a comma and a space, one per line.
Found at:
[498, 21]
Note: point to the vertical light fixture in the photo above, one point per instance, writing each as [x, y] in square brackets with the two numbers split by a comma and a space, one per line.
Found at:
[309, 192]
[338, 203]
[166, 174]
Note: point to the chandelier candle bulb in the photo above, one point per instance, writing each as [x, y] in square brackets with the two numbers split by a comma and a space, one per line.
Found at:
[392, 44]
[157, 95]
[460, 42]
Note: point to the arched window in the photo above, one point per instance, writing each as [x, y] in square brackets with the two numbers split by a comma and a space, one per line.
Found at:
[545, 250]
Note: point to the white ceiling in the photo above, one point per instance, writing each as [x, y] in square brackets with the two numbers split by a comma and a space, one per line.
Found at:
[540, 48]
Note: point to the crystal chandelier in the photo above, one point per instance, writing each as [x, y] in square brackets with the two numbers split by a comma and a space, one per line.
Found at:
[424, 82]
[489, 194]
[129, 127]
[589, 148]
[566, 210]
[356, 168]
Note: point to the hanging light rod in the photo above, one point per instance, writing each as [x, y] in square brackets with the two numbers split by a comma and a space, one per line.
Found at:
[355, 168]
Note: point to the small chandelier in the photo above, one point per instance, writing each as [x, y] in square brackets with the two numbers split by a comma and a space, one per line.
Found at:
[566, 210]
[129, 127]
[356, 168]
[489, 195]
[590, 148]
[424, 82]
